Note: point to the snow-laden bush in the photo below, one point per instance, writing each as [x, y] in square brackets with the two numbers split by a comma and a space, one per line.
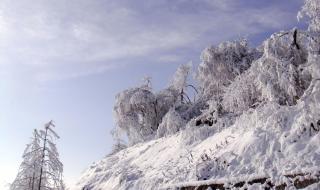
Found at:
[210, 115]
[171, 123]
[241, 94]
[201, 127]
[118, 146]
[211, 123]
[194, 110]
[209, 167]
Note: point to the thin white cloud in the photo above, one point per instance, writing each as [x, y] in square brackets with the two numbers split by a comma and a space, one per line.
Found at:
[169, 58]
[53, 35]
[50, 75]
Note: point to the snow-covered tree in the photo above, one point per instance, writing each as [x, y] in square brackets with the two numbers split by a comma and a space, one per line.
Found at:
[51, 167]
[311, 9]
[171, 123]
[173, 103]
[220, 65]
[279, 75]
[175, 94]
[28, 175]
[41, 168]
[147, 85]
[136, 114]
[138, 111]
[179, 81]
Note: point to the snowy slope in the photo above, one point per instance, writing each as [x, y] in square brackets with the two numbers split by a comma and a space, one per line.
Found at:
[270, 140]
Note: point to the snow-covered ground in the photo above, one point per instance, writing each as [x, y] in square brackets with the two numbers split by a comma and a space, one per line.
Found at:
[270, 140]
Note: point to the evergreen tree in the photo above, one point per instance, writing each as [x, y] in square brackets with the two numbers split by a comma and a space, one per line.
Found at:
[30, 166]
[41, 168]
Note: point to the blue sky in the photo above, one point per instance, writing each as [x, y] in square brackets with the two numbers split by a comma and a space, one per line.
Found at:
[67, 59]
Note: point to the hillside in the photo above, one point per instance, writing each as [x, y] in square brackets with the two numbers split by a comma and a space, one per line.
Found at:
[269, 140]
[256, 116]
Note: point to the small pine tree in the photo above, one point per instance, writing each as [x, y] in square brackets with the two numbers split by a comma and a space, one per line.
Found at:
[41, 168]
[30, 166]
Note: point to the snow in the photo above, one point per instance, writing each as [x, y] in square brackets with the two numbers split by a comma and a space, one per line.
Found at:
[315, 186]
[268, 141]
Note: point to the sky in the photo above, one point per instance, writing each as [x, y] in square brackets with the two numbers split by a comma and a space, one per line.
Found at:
[65, 60]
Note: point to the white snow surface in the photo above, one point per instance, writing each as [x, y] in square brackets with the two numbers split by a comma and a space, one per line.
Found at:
[270, 140]
[315, 186]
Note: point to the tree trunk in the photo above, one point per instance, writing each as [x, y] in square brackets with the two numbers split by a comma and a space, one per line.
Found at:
[43, 155]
